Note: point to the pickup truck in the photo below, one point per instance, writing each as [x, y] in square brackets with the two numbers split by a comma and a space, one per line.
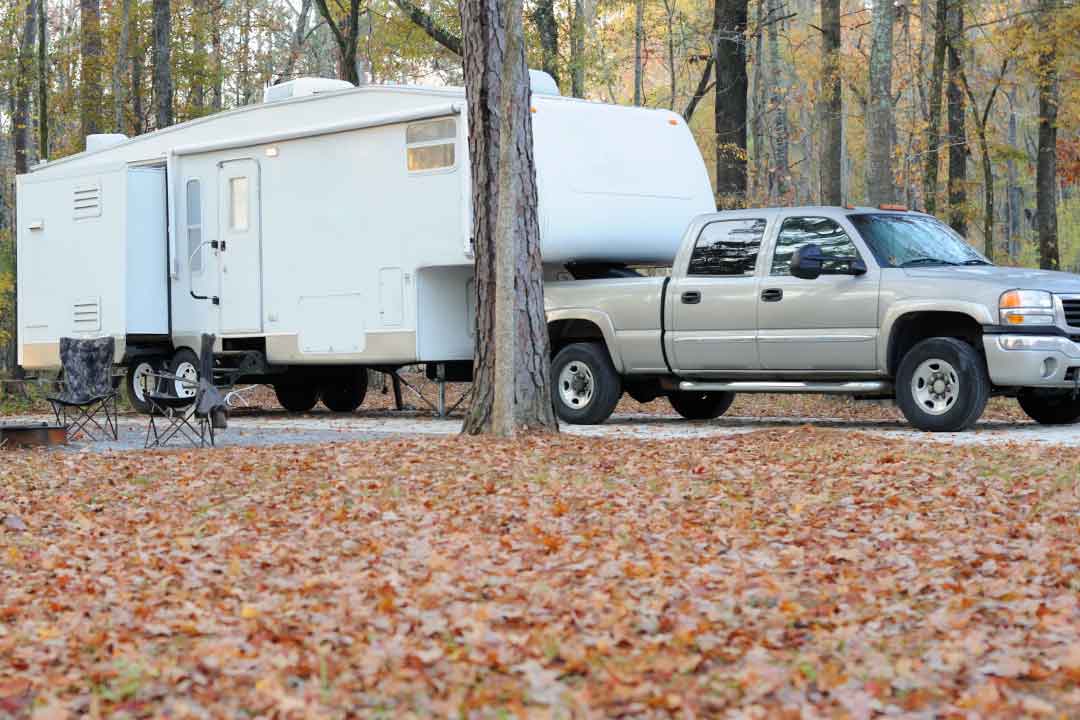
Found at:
[870, 302]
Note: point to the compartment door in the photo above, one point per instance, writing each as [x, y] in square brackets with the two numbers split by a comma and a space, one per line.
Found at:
[240, 252]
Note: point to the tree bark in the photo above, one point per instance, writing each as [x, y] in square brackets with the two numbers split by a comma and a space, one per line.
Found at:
[199, 22]
[217, 92]
[163, 85]
[90, 88]
[639, 60]
[1046, 185]
[578, 27]
[425, 22]
[958, 147]
[670, 8]
[703, 87]
[346, 39]
[297, 46]
[119, 75]
[880, 187]
[778, 178]
[547, 28]
[832, 106]
[511, 383]
[933, 129]
[1013, 191]
[43, 80]
[729, 19]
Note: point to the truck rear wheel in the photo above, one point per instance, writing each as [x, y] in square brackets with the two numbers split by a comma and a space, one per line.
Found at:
[1050, 407]
[585, 386]
[701, 405]
[297, 398]
[942, 385]
[346, 393]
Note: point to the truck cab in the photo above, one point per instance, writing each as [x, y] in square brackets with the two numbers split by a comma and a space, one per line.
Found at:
[872, 302]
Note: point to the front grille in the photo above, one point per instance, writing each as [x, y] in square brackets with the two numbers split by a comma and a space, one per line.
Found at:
[1072, 311]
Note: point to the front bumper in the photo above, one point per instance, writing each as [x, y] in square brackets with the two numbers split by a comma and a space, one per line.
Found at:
[1016, 360]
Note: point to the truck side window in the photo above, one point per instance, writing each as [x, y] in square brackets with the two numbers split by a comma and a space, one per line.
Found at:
[799, 231]
[430, 145]
[728, 248]
[194, 226]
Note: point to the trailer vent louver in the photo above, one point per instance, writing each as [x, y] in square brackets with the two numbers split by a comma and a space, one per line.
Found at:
[86, 315]
[87, 201]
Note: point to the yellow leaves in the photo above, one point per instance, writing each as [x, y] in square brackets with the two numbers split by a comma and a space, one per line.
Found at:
[249, 612]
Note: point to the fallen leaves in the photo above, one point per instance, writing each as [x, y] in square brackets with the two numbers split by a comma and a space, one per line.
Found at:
[792, 572]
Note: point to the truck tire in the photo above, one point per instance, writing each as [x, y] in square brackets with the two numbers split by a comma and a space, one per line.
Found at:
[136, 377]
[297, 398]
[1050, 407]
[585, 386]
[701, 405]
[942, 385]
[346, 393]
[185, 364]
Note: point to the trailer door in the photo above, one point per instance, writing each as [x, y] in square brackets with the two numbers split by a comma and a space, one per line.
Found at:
[240, 251]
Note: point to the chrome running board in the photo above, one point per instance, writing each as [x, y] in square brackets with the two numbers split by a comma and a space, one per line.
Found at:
[862, 387]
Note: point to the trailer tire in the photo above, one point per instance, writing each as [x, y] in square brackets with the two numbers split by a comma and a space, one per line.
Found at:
[135, 379]
[297, 398]
[1058, 407]
[185, 364]
[345, 394]
[701, 405]
[585, 386]
[942, 385]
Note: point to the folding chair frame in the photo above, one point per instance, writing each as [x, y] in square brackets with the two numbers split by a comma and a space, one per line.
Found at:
[86, 415]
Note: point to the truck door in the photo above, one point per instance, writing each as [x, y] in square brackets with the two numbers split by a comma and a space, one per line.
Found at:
[714, 304]
[240, 249]
[828, 323]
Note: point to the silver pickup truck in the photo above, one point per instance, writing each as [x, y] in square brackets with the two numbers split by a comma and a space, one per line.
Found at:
[875, 303]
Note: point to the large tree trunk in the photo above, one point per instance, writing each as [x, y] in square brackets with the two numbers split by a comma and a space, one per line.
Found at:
[757, 108]
[90, 88]
[21, 141]
[933, 129]
[832, 107]
[163, 86]
[730, 101]
[578, 27]
[547, 28]
[958, 148]
[778, 178]
[1046, 185]
[119, 76]
[880, 187]
[511, 383]
[639, 60]
[43, 80]
[1013, 191]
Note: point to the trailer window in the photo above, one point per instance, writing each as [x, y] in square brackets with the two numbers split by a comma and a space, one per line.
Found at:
[194, 226]
[430, 145]
[238, 204]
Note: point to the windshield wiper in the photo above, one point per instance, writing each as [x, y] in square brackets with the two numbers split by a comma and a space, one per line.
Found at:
[976, 261]
[925, 261]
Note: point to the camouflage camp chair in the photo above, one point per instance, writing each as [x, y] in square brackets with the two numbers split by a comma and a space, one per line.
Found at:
[88, 388]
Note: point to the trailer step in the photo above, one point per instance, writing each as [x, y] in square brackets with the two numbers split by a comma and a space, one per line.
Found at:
[860, 387]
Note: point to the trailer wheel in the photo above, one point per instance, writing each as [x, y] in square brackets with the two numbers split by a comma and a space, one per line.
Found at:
[345, 394]
[585, 386]
[701, 405]
[136, 383]
[297, 398]
[185, 365]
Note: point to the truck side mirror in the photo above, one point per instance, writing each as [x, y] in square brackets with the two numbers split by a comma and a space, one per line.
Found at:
[806, 262]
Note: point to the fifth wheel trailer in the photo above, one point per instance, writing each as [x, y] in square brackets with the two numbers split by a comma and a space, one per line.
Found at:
[324, 231]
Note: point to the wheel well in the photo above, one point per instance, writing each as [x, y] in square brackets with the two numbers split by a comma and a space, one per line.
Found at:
[912, 328]
[565, 332]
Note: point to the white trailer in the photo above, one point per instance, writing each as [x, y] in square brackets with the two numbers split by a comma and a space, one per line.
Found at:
[327, 230]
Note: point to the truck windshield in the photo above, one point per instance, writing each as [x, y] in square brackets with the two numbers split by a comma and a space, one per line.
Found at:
[913, 240]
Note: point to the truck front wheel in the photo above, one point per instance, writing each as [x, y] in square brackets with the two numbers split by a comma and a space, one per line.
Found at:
[585, 386]
[1050, 407]
[701, 405]
[942, 385]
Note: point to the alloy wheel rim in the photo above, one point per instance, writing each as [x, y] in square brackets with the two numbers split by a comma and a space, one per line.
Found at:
[576, 385]
[935, 386]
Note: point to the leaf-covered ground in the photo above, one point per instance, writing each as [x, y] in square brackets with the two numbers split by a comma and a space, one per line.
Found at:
[785, 573]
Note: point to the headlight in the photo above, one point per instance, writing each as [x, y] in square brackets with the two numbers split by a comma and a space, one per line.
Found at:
[1026, 307]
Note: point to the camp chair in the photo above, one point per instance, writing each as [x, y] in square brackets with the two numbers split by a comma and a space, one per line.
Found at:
[193, 418]
[88, 387]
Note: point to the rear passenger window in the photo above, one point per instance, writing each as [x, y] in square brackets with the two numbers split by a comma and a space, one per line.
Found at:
[826, 233]
[727, 248]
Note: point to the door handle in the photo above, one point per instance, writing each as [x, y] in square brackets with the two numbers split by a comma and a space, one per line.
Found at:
[691, 297]
[772, 295]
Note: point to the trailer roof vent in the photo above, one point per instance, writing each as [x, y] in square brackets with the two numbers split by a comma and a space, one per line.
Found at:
[542, 84]
[303, 86]
[104, 140]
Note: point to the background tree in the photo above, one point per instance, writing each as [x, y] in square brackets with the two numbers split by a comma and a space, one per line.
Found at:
[1046, 186]
[832, 106]
[163, 83]
[729, 46]
[880, 187]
